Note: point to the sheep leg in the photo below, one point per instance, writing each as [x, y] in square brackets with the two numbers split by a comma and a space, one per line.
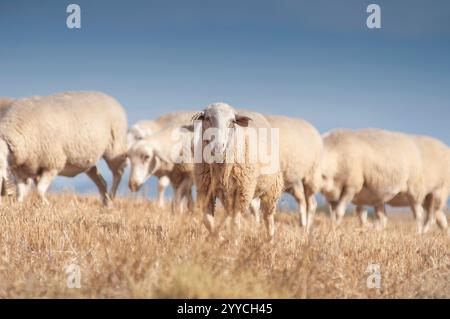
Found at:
[298, 193]
[162, 185]
[332, 207]
[236, 226]
[207, 207]
[380, 212]
[187, 194]
[255, 206]
[176, 201]
[311, 208]
[270, 225]
[419, 215]
[22, 188]
[345, 199]
[361, 212]
[441, 219]
[45, 179]
[190, 199]
[100, 182]
[429, 205]
[269, 209]
[117, 176]
[180, 191]
[117, 167]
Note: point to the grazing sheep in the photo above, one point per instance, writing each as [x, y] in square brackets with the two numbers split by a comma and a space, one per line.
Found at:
[145, 128]
[63, 134]
[229, 173]
[300, 164]
[435, 157]
[159, 155]
[372, 167]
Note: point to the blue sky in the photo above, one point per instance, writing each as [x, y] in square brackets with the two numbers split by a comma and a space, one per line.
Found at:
[311, 59]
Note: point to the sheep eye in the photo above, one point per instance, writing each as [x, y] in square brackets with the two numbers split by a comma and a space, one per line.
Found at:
[324, 176]
[145, 157]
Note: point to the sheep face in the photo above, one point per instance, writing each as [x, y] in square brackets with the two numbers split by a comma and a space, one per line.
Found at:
[329, 177]
[220, 119]
[144, 163]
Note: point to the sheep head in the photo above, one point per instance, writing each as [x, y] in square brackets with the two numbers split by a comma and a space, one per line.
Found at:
[221, 118]
[145, 160]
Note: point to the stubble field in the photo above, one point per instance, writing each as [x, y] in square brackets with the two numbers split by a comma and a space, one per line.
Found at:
[137, 250]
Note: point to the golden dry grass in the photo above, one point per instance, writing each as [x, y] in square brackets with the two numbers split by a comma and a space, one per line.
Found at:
[138, 251]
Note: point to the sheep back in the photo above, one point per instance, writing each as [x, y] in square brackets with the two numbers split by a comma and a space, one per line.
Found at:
[70, 130]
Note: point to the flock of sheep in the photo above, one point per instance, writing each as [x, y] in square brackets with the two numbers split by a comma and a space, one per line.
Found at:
[68, 133]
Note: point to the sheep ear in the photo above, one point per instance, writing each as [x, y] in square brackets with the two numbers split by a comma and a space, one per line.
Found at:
[198, 117]
[190, 127]
[242, 120]
[159, 155]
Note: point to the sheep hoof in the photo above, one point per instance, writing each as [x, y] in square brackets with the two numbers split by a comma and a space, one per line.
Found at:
[107, 202]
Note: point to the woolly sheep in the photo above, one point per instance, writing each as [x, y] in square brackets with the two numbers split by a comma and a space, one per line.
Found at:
[145, 128]
[160, 155]
[63, 134]
[435, 158]
[234, 182]
[371, 167]
[300, 165]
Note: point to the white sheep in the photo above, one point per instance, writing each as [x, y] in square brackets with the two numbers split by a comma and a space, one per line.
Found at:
[300, 163]
[63, 134]
[435, 158]
[228, 171]
[145, 128]
[160, 155]
[372, 167]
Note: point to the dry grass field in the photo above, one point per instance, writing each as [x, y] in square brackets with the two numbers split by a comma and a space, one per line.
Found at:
[139, 251]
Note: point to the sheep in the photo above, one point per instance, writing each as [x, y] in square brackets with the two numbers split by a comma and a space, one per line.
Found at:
[372, 167]
[7, 184]
[146, 128]
[160, 155]
[63, 134]
[435, 157]
[300, 165]
[229, 173]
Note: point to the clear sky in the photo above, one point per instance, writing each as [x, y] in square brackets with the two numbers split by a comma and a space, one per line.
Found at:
[314, 59]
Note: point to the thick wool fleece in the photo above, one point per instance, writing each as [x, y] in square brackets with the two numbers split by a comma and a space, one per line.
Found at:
[68, 132]
[376, 164]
